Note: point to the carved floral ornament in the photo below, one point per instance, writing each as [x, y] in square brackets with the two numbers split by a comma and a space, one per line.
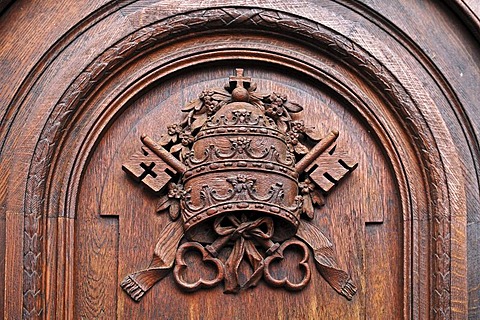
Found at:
[241, 177]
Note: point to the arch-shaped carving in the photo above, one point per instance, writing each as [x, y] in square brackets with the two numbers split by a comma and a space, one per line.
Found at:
[412, 106]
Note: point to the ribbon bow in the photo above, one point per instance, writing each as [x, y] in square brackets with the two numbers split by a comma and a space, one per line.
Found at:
[244, 233]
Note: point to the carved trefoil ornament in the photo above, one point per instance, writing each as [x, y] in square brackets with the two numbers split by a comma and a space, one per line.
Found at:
[240, 177]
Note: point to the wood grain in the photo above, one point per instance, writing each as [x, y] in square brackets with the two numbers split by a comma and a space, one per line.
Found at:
[399, 80]
[156, 104]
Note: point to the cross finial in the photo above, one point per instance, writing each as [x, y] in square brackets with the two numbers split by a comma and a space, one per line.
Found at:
[240, 79]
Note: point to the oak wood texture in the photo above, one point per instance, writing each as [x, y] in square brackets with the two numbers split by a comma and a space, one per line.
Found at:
[81, 82]
[240, 182]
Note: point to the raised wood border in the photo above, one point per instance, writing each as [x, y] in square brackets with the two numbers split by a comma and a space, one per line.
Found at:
[412, 108]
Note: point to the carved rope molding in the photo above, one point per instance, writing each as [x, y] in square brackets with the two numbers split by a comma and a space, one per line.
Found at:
[228, 18]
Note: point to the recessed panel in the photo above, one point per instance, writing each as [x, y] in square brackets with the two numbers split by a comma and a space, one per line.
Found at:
[123, 218]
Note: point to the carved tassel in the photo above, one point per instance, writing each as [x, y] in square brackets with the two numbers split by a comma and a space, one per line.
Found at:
[138, 283]
[325, 259]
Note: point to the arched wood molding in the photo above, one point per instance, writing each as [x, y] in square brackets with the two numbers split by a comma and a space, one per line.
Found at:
[468, 15]
[432, 194]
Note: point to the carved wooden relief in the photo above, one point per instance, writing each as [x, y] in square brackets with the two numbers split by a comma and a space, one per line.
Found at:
[241, 194]
[241, 177]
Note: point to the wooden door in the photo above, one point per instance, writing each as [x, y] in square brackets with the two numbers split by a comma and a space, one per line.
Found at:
[379, 99]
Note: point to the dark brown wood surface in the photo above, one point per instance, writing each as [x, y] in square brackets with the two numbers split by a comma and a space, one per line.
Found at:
[81, 82]
[138, 225]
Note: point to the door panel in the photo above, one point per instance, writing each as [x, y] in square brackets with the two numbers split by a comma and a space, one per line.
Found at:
[123, 224]
[401, 94]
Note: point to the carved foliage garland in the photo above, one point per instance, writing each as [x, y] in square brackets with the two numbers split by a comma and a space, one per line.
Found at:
[241, 170]
[337, 44]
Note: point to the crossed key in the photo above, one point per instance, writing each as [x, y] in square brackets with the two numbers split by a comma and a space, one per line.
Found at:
[153, 166]
[325, 167]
